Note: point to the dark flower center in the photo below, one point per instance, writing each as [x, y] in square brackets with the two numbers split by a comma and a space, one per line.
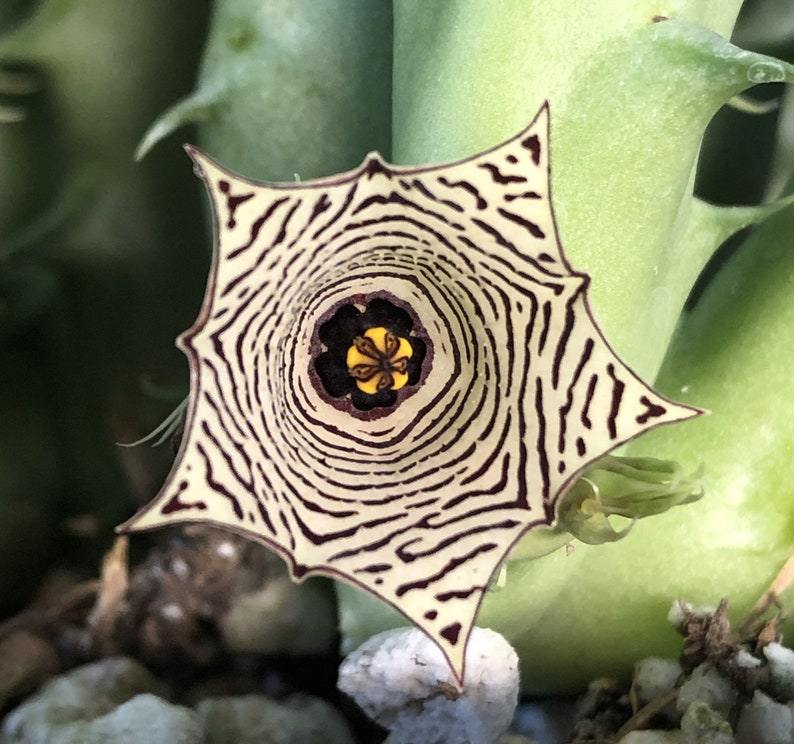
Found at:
[369, 354]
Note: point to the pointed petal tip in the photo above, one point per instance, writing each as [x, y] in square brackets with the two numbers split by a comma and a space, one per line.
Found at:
[197, 156]
[691, 412]
[144, 520]
[543, 114]
[125, 528]
[203, 165]
[456, 662]
[375, 163]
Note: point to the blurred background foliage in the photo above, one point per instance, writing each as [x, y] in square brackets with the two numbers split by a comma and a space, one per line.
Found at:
[103, 259]
[102, 263]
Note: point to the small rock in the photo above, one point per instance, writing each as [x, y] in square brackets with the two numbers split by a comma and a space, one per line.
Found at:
[701, 724]
[677, 617]
[781, 670]
[401, 680]
[707, 685]
[256, 719]
[745, 660]
[144, 718]
[26, 661]
[544, 721]
[80, 695]
[763, 721]
[601, 711]
[282, 618]
[653, 677]
[653, 737]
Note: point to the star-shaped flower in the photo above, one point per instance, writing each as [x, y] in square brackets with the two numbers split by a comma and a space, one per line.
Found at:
[418, 497]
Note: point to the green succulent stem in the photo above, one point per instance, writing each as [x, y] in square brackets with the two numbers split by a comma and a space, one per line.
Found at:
[276, 99]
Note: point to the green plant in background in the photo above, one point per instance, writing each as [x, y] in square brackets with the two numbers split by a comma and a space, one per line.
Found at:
[288, 89]
[100, 265]
[102, 260]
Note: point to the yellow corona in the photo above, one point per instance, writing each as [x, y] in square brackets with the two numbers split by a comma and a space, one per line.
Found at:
[378, 360]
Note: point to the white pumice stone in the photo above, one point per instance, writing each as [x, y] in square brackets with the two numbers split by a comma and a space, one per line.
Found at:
[707, 685]
[401, 680]
[676, 616]
[281, 617]
[764, 721]
[745, 660]
[701, 724]
[653, 737]
[781, 670]
[653, 677]
[678, 613]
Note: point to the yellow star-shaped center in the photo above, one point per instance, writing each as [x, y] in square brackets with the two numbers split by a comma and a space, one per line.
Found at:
[378, 360]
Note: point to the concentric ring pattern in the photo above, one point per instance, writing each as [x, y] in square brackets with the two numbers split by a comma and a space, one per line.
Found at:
[418, 501]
